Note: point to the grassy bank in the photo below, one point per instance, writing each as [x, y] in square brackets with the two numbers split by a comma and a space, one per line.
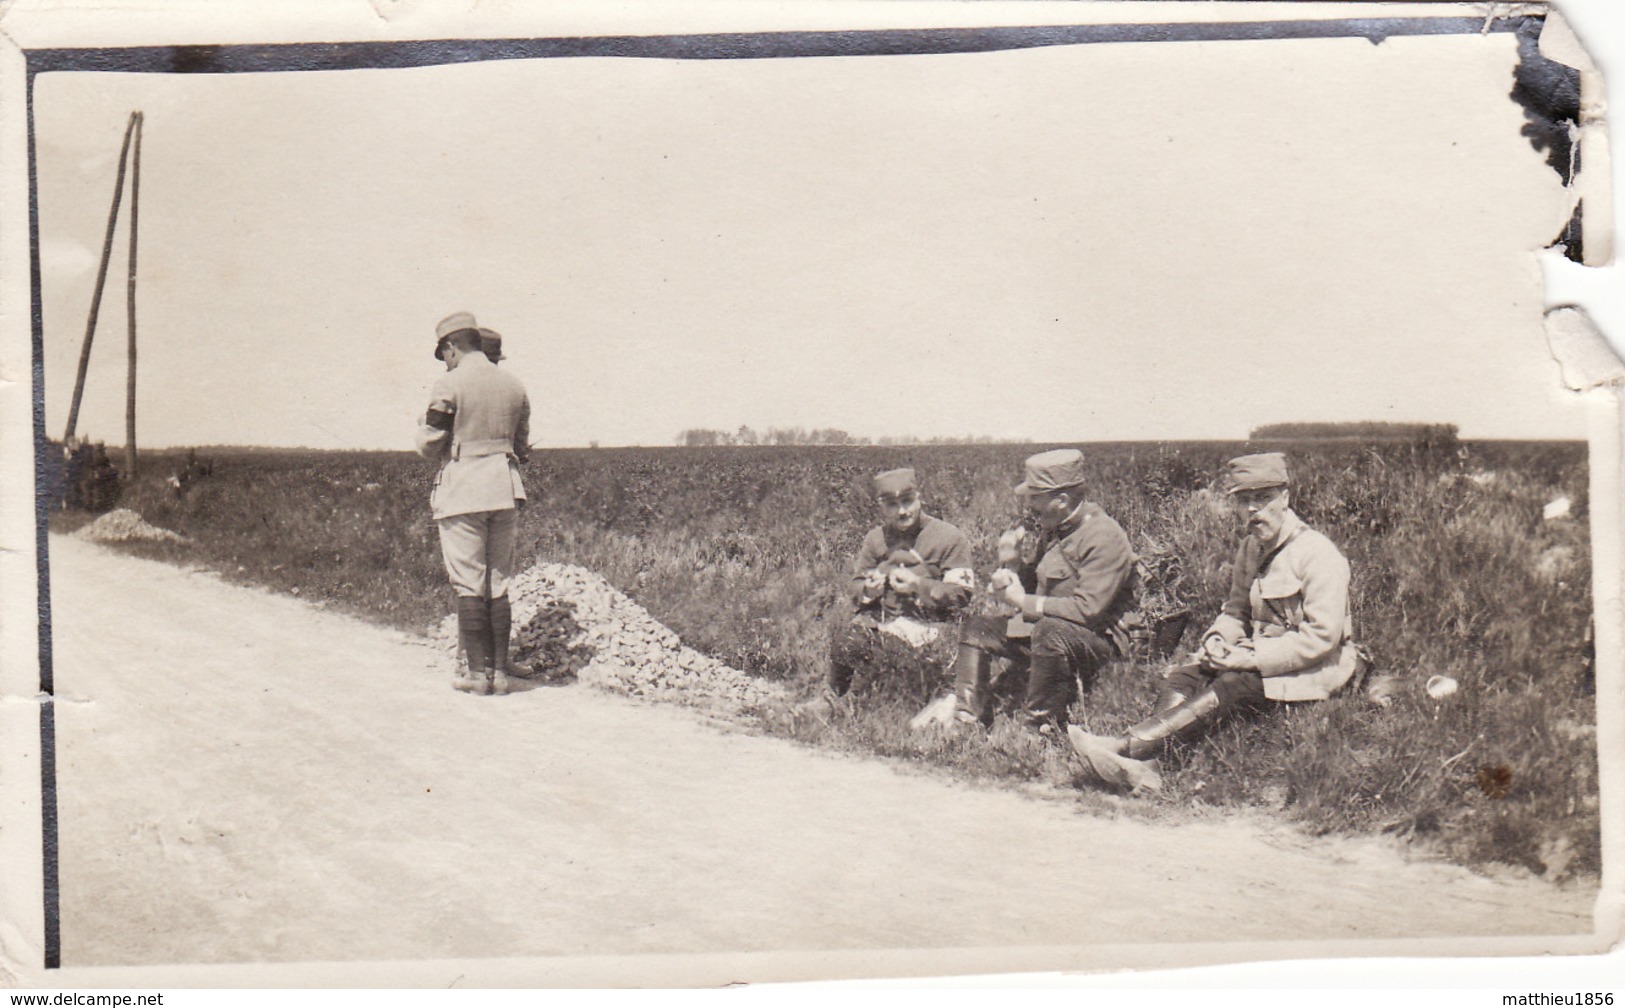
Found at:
[742, 552]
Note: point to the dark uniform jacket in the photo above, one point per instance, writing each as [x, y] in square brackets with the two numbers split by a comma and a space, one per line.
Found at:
[944, 566]
[1084, 572]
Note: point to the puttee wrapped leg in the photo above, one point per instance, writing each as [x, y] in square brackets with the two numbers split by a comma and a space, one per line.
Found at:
[499, 611]
[474, 630]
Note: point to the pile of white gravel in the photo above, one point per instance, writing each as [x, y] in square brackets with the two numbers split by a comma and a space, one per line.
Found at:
[124, 525]
[632, 652]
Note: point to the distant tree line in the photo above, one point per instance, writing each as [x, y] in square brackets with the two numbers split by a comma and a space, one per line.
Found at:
[965, 439]
[1366, 430]
[705, 437]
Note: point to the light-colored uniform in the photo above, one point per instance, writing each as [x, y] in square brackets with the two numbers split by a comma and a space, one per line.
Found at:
[1291, 597]
[478, 489]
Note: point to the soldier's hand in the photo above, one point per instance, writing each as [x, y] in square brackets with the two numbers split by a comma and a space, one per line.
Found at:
[1238, 657]
[874, 583]
[1007, 587]
[904, 581]
[1010, 545]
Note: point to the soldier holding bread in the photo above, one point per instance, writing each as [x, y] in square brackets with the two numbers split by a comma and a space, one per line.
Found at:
[911, 579]
[1072, 587]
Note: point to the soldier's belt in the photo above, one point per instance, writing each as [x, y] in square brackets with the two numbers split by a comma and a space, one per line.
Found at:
[481, 448]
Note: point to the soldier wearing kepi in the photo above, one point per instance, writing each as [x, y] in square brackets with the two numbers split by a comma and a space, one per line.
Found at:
[911, 577]
[1074, 593]
[491, 345]
[478, 428]
[1283, 635]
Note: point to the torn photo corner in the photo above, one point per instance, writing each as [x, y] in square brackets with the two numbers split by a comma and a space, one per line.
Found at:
[742, 258]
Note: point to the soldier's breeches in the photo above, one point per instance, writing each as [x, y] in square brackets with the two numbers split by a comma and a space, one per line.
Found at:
[987, 633]
[889, 663]
[1235, 689]
[478, 552]
[850, 646]
[1063, 655]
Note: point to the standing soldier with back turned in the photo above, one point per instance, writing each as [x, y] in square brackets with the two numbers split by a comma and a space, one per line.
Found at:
[478, 428]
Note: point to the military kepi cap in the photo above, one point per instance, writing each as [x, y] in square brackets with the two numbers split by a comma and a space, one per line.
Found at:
[1255, 472]
[491, 344]
[895, 483]
[1052, 470]
[454, 323]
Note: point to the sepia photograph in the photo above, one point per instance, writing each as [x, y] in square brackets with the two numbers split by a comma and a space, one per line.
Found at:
[680, 495]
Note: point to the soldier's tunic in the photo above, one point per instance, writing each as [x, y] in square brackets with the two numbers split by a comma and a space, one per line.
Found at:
[478, 428]
[945, 569]
[1290, 597]
[946, 582]
[1081, 597]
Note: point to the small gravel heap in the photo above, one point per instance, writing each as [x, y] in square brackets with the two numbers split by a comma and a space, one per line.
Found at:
[617, 645]
[124, 525]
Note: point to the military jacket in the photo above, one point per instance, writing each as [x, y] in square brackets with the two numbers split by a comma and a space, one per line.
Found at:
[944, 566]
[1084, 573]
[478, 428]
[1291, 596]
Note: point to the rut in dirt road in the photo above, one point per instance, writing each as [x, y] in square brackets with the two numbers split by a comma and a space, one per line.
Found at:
[243, 776]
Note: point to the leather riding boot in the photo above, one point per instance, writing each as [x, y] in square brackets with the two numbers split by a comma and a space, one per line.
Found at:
[1126, 761]
[972, 672]
[1147, 737]
[474, 629]
[1051, 688]
[1167, 699]
[499, 613]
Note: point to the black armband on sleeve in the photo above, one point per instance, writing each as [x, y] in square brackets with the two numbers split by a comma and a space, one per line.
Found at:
[438, 419]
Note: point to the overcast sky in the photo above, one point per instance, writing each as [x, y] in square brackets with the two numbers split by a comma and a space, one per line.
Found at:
[1178, 240]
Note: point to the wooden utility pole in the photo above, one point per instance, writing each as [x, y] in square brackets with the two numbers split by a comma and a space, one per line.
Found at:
[129, 298]
[101, 281]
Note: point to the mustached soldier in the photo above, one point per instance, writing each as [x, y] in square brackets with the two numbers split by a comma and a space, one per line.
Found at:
[1075, 601]
[1284, 634]
[911, 577]
[478, 428]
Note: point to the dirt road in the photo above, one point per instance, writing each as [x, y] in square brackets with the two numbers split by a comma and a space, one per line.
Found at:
[244, 777]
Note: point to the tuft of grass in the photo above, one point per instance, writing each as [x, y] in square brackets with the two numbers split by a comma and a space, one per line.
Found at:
[743, 552]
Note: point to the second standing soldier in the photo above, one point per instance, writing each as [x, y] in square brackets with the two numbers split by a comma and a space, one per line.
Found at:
[477, 427]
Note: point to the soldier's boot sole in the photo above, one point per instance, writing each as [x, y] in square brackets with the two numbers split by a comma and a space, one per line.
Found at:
[938, 712]
[1105, 760]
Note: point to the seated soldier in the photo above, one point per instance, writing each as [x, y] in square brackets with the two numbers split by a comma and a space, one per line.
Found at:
[1284, 634]
[912, 576]
[1074, 596]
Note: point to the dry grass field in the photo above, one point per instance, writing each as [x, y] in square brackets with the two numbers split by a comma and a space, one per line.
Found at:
[742, 551]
